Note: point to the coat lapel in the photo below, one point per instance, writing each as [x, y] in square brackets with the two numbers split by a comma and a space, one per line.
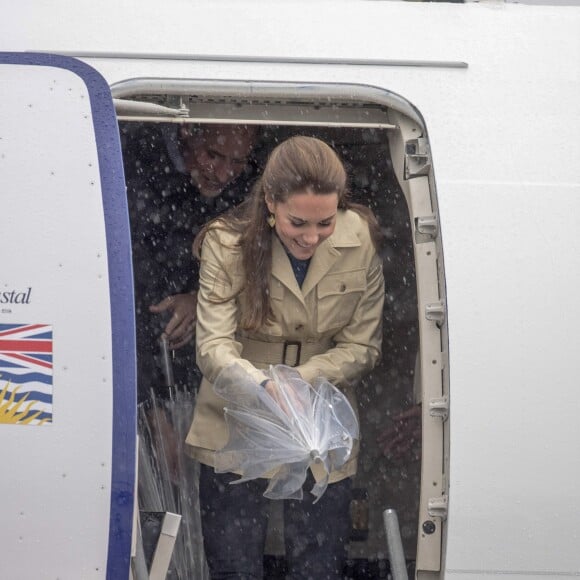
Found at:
[322, 262]
[329, 253]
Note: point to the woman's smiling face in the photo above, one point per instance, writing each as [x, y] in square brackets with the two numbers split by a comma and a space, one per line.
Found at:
[304, 221]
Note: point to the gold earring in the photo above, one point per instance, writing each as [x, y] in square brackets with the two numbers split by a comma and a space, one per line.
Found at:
[271, 219]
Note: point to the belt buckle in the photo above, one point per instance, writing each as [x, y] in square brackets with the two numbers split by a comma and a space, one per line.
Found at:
[298, 346]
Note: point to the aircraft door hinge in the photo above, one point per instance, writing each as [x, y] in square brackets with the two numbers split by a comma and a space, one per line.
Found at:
[439, 408]
[427, 225]
[426, 228]
[127, 109]
[183, 110]
[435, 312]
[437, 507]
[417, 157]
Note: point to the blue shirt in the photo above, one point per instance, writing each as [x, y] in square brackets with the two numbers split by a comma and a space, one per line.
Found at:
[299, 267]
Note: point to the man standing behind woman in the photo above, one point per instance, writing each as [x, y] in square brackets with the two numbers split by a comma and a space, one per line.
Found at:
[178, 179]
[291, 276]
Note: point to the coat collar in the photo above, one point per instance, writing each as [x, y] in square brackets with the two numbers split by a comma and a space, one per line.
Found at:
[326, 255]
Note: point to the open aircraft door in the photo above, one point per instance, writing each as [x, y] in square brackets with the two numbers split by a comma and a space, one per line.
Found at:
[67, 378]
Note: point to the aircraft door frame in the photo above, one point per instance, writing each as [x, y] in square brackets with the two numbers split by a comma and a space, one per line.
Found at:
[163, 100]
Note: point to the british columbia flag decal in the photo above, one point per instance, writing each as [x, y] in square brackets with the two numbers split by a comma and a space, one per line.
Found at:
[26, 374]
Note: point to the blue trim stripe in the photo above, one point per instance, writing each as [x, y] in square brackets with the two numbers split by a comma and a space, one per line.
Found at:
[121, 294]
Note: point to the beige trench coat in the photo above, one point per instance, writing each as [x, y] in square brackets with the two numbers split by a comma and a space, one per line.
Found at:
[331, 327]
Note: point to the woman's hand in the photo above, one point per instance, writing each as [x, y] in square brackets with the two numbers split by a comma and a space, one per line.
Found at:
[274, 392]
[284, 402]
[181, 327]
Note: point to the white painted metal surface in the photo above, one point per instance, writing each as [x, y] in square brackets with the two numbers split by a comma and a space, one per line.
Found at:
[513, 319]
[56, 480]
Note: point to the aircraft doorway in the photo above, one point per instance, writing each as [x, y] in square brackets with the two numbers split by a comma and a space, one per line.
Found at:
[381, 166]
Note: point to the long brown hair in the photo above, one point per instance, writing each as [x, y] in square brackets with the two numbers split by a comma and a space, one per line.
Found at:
[296, 165]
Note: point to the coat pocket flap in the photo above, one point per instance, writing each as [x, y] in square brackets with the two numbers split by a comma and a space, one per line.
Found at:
[342, 283]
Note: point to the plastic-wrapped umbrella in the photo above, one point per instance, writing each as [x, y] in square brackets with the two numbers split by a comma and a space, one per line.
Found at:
[281, 435]
[168, 479]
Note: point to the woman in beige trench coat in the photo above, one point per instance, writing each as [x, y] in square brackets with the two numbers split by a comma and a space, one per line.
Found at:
[290, 277]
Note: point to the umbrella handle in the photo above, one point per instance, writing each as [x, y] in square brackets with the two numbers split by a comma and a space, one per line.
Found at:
[166, 362]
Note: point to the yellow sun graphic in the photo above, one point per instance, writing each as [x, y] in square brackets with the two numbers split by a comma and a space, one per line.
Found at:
[17, 413]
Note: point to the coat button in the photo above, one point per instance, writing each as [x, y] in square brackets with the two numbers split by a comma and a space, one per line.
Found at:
[299, 327]
[343, 287]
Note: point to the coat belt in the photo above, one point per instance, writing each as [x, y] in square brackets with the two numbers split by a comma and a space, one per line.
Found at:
[289, 352]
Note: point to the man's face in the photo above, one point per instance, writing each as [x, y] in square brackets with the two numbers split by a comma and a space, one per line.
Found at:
[216, 156]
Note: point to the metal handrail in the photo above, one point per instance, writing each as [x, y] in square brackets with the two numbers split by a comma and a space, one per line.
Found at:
[395, 545]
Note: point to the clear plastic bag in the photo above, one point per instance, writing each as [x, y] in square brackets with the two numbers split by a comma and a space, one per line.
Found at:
[281, 437]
